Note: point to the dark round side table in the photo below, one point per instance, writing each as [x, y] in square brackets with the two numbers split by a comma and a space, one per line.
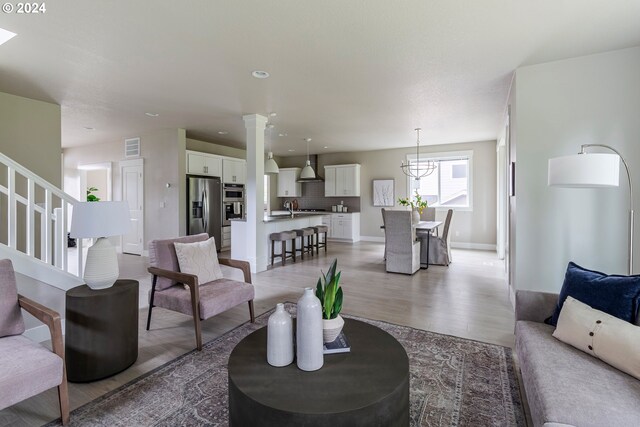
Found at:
[101, 336]
[367, 387]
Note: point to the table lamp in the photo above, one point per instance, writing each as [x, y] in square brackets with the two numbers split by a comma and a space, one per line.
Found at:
[593, 170]
[100, 220]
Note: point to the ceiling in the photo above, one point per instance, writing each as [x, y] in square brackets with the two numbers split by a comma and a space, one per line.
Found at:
[355, 75]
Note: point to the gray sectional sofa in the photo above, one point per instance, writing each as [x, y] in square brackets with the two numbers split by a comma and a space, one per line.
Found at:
[565, 386]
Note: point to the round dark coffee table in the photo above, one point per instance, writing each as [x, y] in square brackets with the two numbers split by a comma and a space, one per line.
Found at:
[367, 387]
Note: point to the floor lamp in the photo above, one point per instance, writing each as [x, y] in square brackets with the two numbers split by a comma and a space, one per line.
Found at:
[593, 170]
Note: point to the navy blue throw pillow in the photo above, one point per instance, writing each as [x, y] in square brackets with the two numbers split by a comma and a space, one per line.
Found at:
[616, 295]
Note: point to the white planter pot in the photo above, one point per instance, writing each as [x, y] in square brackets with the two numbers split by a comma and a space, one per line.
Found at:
[309, 345]
[331, 328]
[280, 338]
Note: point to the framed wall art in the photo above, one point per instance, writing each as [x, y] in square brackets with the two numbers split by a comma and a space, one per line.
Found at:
[383, 193]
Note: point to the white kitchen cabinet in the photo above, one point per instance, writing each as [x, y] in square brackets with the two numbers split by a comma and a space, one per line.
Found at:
[342, 180]
[204, 164]
[234, 171]
[345, 226]
[287, 185]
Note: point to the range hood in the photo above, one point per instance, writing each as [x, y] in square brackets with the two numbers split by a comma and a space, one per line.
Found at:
[314, 164]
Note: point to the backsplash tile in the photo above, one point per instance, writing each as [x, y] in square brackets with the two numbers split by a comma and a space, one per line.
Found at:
[313, 198]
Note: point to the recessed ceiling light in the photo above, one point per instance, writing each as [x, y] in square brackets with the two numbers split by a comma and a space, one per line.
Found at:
[259, 74]
[291, 149]
[326, 146]
[273, 114]
[89, 128]
[222, 132]
[282, 134]
[6, 35]
[152, 114]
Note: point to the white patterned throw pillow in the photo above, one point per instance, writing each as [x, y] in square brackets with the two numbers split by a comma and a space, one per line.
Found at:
[601, 335]
[200, 259]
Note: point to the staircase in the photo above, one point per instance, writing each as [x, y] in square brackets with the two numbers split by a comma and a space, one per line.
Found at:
[33, 230]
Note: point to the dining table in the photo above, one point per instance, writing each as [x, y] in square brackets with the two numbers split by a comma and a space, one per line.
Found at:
[427, 226]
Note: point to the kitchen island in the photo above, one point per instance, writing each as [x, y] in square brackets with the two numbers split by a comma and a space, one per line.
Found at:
[272, 224]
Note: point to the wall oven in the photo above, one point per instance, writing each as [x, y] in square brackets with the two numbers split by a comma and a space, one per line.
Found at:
[233, 193]
[232, 210]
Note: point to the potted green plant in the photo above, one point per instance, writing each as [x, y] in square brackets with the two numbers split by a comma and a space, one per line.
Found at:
[417, 205]
[329, 293]
[90, 196]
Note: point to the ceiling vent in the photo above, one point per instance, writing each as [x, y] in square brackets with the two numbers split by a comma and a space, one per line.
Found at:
[132, 147]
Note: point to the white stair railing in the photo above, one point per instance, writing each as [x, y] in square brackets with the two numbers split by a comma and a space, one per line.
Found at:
[47, 210]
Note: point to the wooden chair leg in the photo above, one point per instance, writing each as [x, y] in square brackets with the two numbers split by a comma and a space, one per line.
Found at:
[302, 247]
[273, 251]
[284, 252]
[293, 250]
[153, 294]
[325, 242]
[195, 309]
[63, 399]
[251, 313]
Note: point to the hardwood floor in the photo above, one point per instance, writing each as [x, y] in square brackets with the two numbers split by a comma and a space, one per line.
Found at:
[468, 299]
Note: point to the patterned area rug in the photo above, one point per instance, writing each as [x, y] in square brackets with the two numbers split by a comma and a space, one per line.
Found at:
[454, 382]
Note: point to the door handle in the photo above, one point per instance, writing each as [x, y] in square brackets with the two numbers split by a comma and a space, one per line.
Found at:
[204, 210]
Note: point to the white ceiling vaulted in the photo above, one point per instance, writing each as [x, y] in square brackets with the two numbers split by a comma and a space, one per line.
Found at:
[351, 75]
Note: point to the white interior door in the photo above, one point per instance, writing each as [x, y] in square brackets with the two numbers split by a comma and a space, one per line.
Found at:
[132, 175]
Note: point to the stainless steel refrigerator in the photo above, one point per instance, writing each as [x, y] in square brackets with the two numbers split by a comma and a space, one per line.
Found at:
[204, 206]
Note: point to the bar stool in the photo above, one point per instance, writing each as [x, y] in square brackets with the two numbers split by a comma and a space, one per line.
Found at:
[321, 229]
[283, 237]
[307, 232]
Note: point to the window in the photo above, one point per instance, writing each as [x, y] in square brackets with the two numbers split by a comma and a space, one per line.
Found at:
[449, 185]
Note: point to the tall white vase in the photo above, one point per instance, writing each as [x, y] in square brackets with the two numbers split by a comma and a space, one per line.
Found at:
[280, 338]
[309, 342]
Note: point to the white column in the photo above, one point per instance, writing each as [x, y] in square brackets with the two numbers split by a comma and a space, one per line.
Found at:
[254, 241]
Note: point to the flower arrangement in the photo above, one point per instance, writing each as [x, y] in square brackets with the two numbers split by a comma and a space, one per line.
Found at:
[417, 203]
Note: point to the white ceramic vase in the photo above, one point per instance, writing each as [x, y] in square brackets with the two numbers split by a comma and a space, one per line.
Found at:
[280, 338]
[331, 328]
[309, 342]
[415, 216]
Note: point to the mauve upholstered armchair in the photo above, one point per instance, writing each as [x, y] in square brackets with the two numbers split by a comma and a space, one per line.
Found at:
[403, 251]
[26, 367]
[202, 301]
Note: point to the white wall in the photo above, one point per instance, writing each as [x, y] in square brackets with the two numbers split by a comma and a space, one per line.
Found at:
[561, 105]
[164, 162]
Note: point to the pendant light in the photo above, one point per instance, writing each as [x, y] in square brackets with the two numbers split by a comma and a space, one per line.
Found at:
[307, 172]
[270, 165]
[422, 168]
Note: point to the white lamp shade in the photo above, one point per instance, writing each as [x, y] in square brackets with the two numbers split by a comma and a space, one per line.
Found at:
[270, 165]
[100, 219]
[307, 172]
[589, 170]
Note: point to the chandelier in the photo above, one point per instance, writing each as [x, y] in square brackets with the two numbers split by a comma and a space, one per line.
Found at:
[418, 169]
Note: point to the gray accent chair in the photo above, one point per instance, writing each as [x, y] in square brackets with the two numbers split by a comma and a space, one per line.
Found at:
[26, 367]
[439, 246]
[201, 301]
[565, 386]
[403, 251]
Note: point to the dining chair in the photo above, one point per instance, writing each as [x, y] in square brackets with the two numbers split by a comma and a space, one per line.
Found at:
[403, 251]
[440, 246]
[429, 214]
[28, 368]
[384, 230]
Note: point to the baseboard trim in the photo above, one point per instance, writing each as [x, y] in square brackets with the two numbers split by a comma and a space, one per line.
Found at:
[41, 333]
[474, 246]
[376, 239]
